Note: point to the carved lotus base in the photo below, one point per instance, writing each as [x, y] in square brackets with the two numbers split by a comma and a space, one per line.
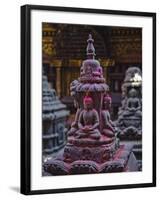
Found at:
[89, 149]
[122, 160]
[132, 121]
[130, 133]
[130, 128]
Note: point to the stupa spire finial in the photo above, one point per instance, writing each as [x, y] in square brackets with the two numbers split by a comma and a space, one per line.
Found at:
[90, 48]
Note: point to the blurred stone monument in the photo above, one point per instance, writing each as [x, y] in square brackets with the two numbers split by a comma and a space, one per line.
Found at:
[54, 120]
[92, 146]
[129, 121]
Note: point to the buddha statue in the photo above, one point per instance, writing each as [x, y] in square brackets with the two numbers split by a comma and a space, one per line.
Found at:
[74, 125]
[108, 128]
[88, 122]
[133, 105]
[124, 100]
[122, 108]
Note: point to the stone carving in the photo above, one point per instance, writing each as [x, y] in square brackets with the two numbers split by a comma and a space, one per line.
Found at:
[92, 146]
[130, 113]
[74, 125]
[54, 117]
[129, 123]
[108, 127]
[133, 105]
[88, 121]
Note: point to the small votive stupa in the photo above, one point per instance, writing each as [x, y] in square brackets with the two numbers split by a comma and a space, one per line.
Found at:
[129, 123]
[54, 120]
[92, 145]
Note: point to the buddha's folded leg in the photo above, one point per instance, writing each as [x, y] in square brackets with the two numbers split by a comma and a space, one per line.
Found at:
[108, 133]
[95, 134]
[80, 134]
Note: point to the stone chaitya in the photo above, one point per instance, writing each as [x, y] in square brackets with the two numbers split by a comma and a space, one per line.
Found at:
[92, 145]
[54, 119]
[129, 121]
[130, 113]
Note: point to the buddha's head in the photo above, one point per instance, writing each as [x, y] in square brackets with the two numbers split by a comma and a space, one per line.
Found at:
[107, 101]
[88, 102]
[132, 93]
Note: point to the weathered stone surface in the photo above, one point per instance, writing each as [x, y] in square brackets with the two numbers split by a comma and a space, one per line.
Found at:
[129, 121]
[123, 160]
[54, 117]
[92, 146]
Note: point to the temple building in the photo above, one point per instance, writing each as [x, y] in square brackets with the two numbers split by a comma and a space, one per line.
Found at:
[64, 45]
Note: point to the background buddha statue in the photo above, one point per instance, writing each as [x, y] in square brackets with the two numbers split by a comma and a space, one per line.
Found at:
[74, 125]
[133, 105]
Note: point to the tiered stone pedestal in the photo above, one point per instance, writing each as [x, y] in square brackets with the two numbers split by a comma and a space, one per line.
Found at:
[92, 145]
[85, 156]
[128, 134]
[54, 120]
[129, 122]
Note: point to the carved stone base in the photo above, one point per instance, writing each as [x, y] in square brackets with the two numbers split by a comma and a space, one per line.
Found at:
[122, 160]
[129, 128]
[130, 133]
[89, 149]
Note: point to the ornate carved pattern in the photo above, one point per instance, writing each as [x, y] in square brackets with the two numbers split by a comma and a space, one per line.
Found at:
[92, 147]
[130, 113]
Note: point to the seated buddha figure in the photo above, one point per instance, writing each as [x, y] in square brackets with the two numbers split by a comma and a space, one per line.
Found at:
[88, 122]
[108, 128]
[133, 105]
[124, 100]
[74, 125]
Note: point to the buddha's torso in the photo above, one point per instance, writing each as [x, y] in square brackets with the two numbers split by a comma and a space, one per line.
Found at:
[89, 116]
[133, 103]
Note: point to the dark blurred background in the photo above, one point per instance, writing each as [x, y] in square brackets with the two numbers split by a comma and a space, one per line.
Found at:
[64, 49]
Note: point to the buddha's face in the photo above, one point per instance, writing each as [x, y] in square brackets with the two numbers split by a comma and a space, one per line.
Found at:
[132, 93]
[107, 103]
[88, 105]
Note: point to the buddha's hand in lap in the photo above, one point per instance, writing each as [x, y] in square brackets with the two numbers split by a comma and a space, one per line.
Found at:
[87, 128]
